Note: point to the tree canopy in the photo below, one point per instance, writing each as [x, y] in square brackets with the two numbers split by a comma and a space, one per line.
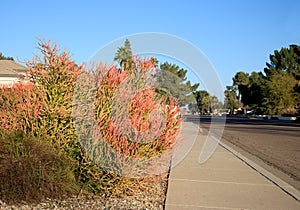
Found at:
[276, 90]
[231, 98]
[241, 80]
[287, 60]
[172, 80]
[2, 57]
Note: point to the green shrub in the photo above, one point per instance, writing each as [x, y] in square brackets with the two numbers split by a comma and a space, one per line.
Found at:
[31, 169]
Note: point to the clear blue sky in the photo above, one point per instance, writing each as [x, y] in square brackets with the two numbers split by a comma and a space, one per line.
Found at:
[234, 35]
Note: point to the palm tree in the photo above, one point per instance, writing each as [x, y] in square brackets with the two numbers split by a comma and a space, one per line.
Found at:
[124, 55]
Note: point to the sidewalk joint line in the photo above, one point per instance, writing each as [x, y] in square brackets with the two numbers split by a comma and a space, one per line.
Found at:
[222, 182]
[208, 207]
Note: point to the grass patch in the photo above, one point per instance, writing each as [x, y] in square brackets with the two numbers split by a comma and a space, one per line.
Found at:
[31, 169]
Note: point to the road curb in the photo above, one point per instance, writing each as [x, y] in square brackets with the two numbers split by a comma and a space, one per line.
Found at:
[271, 177]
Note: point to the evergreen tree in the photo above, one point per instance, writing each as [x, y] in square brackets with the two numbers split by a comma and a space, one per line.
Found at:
[282, 81]
[241, 80]
[2, 57]
[256, 93]
[231, 98]
[172, 80]
[276, 92]
[203, 101]
[287, 60]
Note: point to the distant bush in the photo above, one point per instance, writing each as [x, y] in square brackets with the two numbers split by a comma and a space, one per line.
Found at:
[31, 169]
[289, 112]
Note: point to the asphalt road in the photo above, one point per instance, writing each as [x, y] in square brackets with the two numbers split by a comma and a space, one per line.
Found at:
[275, 145]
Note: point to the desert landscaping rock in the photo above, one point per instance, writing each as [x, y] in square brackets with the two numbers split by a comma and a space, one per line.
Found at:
[146, 200]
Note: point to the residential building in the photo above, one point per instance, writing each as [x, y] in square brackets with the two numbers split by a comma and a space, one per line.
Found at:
[11, 72]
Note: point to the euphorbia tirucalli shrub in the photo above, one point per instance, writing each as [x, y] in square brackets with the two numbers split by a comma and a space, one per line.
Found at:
[132, 121]
[42, 106]
[42, 103]
[20, 106]
[54, 76]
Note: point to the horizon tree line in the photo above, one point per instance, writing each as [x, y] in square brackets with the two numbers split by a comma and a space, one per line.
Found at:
[275, 90]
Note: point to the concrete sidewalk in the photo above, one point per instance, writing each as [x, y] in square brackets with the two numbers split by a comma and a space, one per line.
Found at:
[225, 181]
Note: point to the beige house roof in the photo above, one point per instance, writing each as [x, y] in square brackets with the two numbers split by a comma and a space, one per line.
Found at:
[9, 68]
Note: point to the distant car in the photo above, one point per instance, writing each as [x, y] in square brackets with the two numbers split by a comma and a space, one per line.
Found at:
[250, 112]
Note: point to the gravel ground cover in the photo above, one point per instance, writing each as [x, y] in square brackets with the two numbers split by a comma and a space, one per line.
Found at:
[153, 198]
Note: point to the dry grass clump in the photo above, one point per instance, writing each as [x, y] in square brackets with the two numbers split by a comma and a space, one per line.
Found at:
[32, 170]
